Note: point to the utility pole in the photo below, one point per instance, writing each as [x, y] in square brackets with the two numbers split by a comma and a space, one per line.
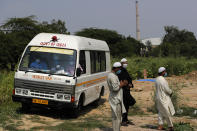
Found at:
[137, 23]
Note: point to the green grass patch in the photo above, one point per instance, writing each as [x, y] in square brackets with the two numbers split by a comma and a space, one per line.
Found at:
[181, 126]
[11, 115]
[8, 113]
[8, 109]
[187, 111]
[88, 123]
[135, 110]
[6, 86]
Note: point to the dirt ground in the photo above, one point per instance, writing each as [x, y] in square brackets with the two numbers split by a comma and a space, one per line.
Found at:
[142, 92]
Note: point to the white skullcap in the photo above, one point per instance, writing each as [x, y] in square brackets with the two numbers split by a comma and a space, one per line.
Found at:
[123, 60]
[161, 69]
[117, 64]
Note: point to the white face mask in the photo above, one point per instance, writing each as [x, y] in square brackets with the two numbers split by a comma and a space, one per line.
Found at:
[124, 65]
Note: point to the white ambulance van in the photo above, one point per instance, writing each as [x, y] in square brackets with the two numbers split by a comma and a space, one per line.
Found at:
[62, 71]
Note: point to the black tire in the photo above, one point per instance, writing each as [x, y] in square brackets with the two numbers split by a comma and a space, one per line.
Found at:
[77, 110]
[25, 107]
[96, 102]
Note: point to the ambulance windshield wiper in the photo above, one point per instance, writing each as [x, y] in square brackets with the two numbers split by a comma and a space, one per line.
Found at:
[29, 70]
[38, 71]
[61, 74]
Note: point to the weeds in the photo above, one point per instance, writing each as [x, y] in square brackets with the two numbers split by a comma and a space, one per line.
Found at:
[174, 66]
[181, 126]
[187, 111]
[9, 112]
[135, 110]
[6, 86]
[87, 123]
[176, 96]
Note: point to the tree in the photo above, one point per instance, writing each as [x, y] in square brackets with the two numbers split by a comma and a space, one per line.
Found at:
[19, 32]
[110, 36]
[118, 44]
[173, 34]
[177, 43]
[135, 45]
[55, 27]
[149, 45]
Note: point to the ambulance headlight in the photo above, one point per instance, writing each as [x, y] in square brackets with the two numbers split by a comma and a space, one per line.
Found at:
[67, 96]
[59, 96]
[25, 92]
[18, 91]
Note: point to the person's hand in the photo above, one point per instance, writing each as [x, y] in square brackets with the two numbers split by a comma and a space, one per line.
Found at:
[130, 85]
[125, 82]
[121, 83]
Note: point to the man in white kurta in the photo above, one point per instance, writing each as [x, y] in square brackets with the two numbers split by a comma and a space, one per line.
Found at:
[163, 101]
[116, 96]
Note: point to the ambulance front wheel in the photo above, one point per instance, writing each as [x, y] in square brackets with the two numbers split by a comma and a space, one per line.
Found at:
[77, 110]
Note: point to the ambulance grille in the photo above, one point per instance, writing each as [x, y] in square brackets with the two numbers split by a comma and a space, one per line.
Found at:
[43, 87]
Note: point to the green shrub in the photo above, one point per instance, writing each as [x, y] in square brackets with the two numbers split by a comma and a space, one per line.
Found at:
[6, 86]
[186, 111]
[9, 111]
[176, 97]
[153, 108]
[135, 110]
[181, 126]
[174, 66]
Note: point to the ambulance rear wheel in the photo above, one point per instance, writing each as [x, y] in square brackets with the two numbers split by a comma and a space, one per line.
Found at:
[96, 102]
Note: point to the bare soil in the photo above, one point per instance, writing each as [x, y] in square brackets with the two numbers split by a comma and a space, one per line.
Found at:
[142, 92]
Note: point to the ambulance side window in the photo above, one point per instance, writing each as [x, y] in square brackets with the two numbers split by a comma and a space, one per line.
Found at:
[93, 61]
[82, 61]
[98, 61]
[103, 61]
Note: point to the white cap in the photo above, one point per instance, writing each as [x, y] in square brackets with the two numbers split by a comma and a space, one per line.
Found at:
[123, 60]
[161, 69]
[117, 64]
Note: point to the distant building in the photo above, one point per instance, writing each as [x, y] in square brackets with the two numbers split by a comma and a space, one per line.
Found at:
[154, 41]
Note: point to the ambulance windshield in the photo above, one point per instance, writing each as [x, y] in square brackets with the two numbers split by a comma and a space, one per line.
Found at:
[49, 60]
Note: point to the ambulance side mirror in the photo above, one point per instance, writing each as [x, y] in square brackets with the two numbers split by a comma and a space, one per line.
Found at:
[78, 73]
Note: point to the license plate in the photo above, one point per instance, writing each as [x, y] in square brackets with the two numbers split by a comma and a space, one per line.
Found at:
[39, 101]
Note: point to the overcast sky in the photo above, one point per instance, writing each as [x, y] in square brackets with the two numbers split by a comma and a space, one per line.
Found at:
[118, 15]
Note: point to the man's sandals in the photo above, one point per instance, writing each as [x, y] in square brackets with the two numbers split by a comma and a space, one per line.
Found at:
[160, 127]
[130, 122]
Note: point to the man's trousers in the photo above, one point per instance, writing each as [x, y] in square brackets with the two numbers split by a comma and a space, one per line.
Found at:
[116, 120]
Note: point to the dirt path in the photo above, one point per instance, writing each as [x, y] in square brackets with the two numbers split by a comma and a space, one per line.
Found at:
[142, 92]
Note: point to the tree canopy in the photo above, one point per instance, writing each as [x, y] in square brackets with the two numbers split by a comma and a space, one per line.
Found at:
[16, 34]
[177, 43]
[118, 44]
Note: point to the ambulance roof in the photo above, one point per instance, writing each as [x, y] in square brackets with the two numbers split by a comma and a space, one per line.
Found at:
[68, 41]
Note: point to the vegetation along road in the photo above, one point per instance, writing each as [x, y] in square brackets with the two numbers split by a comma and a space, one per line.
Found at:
[177, 52]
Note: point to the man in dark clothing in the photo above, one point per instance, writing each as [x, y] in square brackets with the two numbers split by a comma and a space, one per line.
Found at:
[128, 100]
